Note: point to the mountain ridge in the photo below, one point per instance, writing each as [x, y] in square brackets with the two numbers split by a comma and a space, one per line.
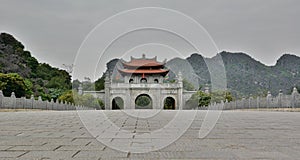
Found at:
[244, 74]
[249, 76]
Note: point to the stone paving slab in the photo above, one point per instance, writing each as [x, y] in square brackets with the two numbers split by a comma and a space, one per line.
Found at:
[62, 135]
[11, 154]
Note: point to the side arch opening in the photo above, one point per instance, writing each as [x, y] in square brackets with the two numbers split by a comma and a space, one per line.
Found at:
[117, 103]
[169, 103]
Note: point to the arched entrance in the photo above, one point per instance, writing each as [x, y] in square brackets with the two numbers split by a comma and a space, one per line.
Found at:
[143, 101]
[169, 103]
[117, 103]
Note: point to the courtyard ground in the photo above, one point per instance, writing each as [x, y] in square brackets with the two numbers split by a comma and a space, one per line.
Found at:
[237, 135]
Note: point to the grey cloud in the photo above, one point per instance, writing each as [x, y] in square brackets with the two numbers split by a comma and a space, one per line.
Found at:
[54, 30]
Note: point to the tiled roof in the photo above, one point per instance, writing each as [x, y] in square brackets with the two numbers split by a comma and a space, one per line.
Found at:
[143, 62]
[147, 62]
[144, 71]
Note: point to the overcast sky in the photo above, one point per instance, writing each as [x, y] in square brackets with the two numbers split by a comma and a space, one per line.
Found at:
[54, 30]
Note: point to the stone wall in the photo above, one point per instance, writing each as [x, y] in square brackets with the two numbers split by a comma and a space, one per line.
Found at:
[279, 101]
[22, 103]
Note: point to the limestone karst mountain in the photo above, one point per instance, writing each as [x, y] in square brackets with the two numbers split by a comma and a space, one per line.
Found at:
[42, 79]
[244, 74]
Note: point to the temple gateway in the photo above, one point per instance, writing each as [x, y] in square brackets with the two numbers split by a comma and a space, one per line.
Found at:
[141, 84]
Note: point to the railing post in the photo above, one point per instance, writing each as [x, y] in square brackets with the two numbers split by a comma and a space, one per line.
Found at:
[39, 106]
[13, 99]
[269, 96]
[235, 104]
[243, 103]
[51, 104]
[68, 104]
[1, 99]
[250, 100]
[293, 99]
[280, 99]
[32, 101]
[23, 102]
[55, 105]
[226, 105]
[257, 102]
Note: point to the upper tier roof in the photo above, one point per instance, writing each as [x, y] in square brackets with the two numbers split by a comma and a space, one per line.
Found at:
[139, 62]
[143, 71]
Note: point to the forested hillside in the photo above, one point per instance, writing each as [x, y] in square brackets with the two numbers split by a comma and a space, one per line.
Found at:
[39, 79]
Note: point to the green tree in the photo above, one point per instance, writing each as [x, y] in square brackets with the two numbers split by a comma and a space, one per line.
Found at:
[204, 99]
[29, 87]
[219, 96]
[32, 63]
[99, 84]
[87, 100]
[56, 78]
[228, 96]
[58, 82]
[55, 93]
[199, 99]
[75, 84]
[13, 82]
[101, 104]
[67, 97]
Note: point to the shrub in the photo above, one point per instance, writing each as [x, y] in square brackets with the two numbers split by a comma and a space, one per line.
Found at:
[13, 82]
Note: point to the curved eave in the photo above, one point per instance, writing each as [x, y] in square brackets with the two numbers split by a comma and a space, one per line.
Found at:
[141, 71]
[143, 64]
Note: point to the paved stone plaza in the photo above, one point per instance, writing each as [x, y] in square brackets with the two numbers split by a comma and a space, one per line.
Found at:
[237, 135]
